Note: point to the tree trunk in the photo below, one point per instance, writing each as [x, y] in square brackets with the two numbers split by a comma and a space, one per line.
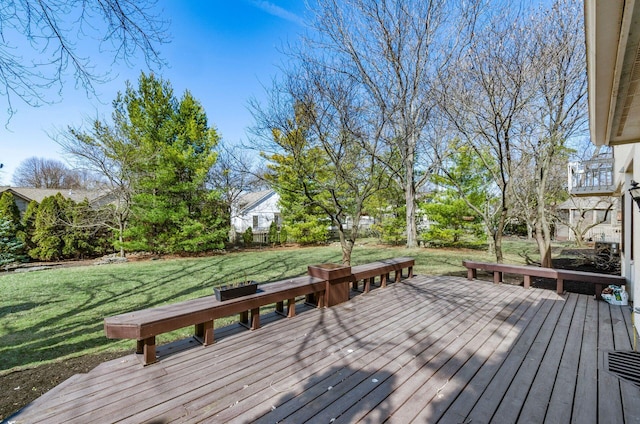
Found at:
[543, 237]
[543, 231]
[347, 241]
[410, 199]
[498, 235]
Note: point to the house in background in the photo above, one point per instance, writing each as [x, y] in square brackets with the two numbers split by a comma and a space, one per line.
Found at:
[597, 218]
[613, 74]
[24, 195]
[257, 211]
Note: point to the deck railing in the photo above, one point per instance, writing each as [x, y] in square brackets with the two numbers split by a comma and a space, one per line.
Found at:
[592, 177]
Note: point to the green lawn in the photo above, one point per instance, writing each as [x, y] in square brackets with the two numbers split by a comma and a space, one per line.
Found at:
[54, 314]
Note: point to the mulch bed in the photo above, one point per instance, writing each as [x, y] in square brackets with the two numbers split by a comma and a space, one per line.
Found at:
[19, 388]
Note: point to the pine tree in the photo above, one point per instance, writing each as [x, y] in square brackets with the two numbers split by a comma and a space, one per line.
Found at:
[11, 248]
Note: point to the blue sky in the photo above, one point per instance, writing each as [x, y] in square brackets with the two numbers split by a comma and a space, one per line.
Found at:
[223, 51]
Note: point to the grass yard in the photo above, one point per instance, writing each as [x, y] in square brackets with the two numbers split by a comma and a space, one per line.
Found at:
[57, 314]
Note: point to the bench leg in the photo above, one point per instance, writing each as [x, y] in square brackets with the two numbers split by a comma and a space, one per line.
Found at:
[147, 348]
[252, 323]
[367, 285]
[383, 280]
[497, 277]
[204, 333]
[527, 281]
[244, 318]
[471, 273]
[291, 308]
[560, 286]
[255, 318]
[354, 285]
[598, 288]
[410, 274]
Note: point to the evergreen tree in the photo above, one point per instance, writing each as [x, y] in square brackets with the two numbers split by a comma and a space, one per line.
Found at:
[9, 210]
[11, 248]
[12, 231]
[28, 222]
[49, 231]
[171, 208]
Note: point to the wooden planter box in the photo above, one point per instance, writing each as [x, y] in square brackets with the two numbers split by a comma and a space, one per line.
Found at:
[338, 279]
[226, 293]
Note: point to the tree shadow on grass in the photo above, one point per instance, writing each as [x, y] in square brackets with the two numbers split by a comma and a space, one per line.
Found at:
[60, 328]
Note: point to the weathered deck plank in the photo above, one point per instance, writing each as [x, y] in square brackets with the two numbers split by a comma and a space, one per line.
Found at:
[585, 401]
[562, 398]
[608, 385]
[439, 349]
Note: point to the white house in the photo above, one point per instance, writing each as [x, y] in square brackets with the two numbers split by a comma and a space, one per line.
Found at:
[598, 217]
[613, 71]
[256, 210]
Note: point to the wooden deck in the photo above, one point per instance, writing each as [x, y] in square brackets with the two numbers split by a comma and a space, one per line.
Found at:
[426, 350]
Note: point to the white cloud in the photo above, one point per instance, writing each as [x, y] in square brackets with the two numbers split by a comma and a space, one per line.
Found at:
[275, 10]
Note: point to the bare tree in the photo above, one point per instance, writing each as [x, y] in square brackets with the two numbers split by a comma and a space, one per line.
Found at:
[43, 40]
[485, 94]
[46, 173]
[392, 50]
[232, 175]
[325, 155]
[585, 214]
[104, 150]
[559, 111]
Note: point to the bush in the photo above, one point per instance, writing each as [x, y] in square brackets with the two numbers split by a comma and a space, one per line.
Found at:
[309, 232]
[273, 233]
[391, 230]
[247, 237]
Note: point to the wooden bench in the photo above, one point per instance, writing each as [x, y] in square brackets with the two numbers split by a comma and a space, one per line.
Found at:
[368, 272]
[146, 324]
[560, 275]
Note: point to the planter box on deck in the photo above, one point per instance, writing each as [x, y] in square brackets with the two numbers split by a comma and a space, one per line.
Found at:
[226, 293]
[338, 278]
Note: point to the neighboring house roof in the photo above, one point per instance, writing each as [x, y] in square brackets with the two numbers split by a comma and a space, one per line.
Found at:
[249, 201]
[586, 203]
[38, 194]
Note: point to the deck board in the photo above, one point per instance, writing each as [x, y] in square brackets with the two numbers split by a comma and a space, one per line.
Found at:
[427, 349]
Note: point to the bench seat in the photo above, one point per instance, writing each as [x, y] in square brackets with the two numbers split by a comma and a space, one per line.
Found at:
[144, 325]
[368, 272]
[560, 275]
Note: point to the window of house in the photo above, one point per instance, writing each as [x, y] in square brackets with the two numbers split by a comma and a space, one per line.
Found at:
[255, 222]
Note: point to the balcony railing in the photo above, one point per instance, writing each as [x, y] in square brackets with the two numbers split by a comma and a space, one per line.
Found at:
[593, 177]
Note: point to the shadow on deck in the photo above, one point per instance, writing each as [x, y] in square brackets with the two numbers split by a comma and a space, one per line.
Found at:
[428, 349]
